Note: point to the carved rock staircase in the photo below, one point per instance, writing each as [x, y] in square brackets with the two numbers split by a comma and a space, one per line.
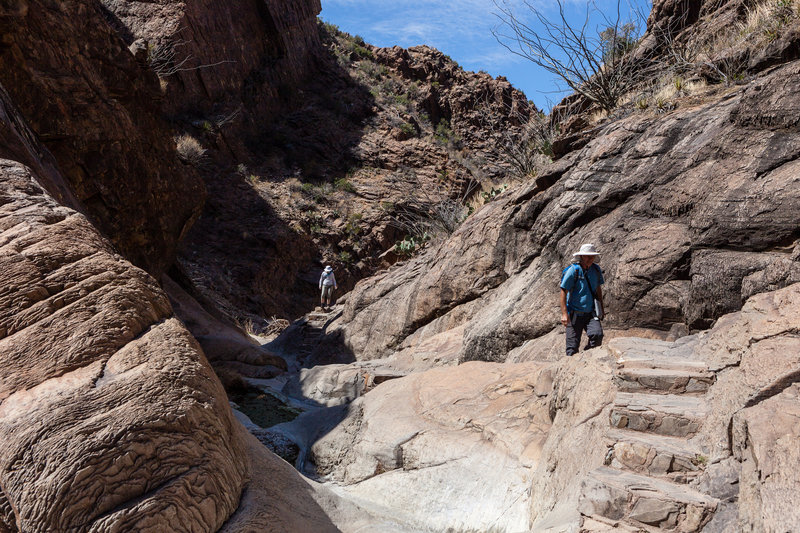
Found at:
[652, 457]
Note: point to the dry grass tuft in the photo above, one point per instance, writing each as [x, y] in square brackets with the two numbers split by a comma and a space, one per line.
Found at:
[190, 151]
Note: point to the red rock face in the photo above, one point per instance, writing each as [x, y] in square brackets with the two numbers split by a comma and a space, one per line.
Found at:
[227, 55]
[92, 105]
[110, 416]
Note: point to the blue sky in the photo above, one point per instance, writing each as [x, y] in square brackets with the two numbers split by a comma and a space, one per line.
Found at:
[461, 29]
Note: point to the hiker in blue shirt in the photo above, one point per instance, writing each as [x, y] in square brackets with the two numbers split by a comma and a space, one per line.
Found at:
[582, 300]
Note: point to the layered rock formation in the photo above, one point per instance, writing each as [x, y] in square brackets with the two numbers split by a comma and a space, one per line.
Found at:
[91, 104]
[689, 227]
[111, 417]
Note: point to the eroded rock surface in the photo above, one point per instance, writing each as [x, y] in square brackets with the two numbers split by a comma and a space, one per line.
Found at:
[233, 60]
[110, 415]
[479, 434]
[630, 436]
[689, 226]
[91, 104]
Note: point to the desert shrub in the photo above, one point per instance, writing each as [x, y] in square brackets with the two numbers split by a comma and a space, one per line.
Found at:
[410, 244]
[343, 184]
[443, 132]
[402, 100]
[431, 210]
[602, 65]
[493, 193]
[345, 257]
[370, 69]
[408, 129]
[359, 50]
[275, 326]
[767, 19]
[190, 151]
[331, 29]
[353, 227]
[313, 191]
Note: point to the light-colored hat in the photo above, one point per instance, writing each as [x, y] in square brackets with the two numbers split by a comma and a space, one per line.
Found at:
[328, 268]
[586, 249]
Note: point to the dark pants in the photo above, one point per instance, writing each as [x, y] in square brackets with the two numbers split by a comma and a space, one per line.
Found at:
[578, 322]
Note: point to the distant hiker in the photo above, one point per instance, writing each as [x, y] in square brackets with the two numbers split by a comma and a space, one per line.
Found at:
[582, 299]
[327, 282]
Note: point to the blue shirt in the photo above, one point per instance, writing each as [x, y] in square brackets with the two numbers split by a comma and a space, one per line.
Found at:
[580, 295]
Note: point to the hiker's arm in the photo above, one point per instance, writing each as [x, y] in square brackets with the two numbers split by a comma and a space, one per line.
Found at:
[564, 315]
[600, 294]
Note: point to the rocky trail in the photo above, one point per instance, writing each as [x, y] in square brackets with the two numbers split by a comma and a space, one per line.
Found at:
[312, 326]
[653, 458]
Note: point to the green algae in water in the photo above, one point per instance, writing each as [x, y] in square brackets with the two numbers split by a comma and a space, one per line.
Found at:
[263, 408]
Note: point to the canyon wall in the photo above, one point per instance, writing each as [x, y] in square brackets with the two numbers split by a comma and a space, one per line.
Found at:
[693, 211]
[238, 60]
[91, 104]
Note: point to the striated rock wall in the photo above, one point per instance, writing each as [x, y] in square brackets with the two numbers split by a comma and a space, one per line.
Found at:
[110, 415]
[91, 104]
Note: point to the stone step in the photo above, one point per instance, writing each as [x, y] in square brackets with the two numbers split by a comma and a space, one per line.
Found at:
[664, 414]
[641, 500]
[601, 524]
[672, 458]
[636, 360]
[652, 347]
[663, 380]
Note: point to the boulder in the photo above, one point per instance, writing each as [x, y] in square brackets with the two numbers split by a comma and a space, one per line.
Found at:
[110, 416]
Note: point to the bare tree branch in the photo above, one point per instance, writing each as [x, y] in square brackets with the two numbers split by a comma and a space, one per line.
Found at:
[599, 64]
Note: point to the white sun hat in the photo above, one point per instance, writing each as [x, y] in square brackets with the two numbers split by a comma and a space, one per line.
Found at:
[328, 268]
[586, 249]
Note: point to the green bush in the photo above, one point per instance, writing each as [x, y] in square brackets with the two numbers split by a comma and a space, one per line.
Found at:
[352, 227]
[406, 247]
[408, 129]
[311, 190]
[410, 244]
[344, 185]
[402, 100]
[345, 257]
[490, 195]
[443, 132]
